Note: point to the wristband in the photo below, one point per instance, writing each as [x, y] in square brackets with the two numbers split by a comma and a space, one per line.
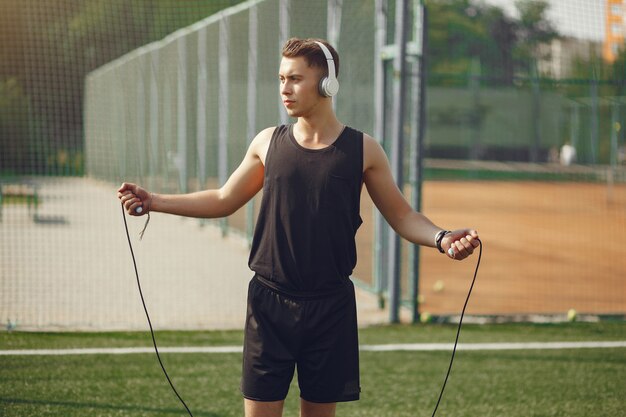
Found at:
[439, 237]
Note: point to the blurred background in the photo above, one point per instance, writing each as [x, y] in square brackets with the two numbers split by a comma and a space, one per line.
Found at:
[506, 116]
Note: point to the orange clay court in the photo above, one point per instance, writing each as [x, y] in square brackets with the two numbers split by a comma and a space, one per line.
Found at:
[548, 247]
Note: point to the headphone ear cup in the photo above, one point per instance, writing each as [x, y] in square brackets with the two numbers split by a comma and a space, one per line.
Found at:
[322, 87]
[328, 87]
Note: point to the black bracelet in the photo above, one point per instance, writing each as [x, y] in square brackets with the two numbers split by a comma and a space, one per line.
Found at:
[439, 238]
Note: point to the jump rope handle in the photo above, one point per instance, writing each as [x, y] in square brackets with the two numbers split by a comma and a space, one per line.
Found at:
[139, 210]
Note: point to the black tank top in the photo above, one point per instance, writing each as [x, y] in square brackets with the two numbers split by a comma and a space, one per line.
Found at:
[304, 241]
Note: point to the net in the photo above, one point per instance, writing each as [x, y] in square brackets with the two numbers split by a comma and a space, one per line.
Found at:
[525, 119]
[169, 95]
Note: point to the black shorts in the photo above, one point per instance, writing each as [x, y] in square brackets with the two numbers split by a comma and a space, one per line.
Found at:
[318, 335]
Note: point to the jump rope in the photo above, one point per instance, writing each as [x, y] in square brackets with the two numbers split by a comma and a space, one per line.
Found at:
[156, 349]
[145, 309]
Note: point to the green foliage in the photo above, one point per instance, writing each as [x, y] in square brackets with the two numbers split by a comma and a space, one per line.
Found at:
[534, 29]
[14, 129]
[455, 35]
[461, 31]
[618, 72]
[609, 76]
[47, 48]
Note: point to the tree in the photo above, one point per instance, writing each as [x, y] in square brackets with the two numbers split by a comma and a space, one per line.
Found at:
[455, 35]
[14, 129]
[618, 72]
[503, 35]
[534, 29]
[48, 47]
[461, 31]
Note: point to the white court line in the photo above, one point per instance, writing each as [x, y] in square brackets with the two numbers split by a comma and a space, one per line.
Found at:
[428, 347]
[413, 347]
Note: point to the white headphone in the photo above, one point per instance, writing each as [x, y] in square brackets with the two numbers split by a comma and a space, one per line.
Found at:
[329, 86]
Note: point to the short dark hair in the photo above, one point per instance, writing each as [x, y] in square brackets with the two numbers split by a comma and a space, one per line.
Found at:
[311, 51]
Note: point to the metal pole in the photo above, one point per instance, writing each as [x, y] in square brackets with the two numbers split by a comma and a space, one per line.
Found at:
[380, 253]
[333, 27]
[202, 111]
[594, 119]
[417, 148]
[575, 125]
[284, 29]
[614, 124]
[181, 114]
[154, 118]
[536, 115]
[474, 128]
[253, 64]
[141, 119]
[223, 94]
[396, 151]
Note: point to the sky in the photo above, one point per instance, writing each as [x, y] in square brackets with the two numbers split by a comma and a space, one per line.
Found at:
[578, 18]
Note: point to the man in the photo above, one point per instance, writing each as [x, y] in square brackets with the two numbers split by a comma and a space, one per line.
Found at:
[301, 306]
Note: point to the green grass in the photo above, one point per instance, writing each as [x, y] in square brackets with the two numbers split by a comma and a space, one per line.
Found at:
[567, 382]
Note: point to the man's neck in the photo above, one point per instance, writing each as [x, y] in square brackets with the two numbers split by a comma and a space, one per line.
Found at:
[318, 130]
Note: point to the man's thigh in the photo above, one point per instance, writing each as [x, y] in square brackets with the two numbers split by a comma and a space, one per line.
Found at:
[328, 363]
[270, 346]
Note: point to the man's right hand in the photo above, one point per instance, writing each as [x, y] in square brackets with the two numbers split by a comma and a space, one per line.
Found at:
[132, 197]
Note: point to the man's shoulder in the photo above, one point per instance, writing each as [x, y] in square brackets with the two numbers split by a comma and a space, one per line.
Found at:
[268, 131]
[261, 141]
[373, 152]
[369, 142]
[265, 135]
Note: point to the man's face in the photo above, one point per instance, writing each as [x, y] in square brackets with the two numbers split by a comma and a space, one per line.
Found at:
[299, 86]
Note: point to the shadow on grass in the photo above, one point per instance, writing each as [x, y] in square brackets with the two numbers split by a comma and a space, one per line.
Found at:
[96, 406]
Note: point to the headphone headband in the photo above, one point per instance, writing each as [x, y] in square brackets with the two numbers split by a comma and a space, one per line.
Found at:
[329, 86]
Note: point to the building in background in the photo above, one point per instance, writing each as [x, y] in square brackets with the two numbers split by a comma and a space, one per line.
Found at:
[615, 29]
[561, 54]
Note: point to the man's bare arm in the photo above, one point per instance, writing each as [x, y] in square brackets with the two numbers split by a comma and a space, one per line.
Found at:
[408, 223]
[240, 187]
[386, 195]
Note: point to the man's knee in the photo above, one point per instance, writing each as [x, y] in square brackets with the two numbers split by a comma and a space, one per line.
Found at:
[309, 409]
[263, 408]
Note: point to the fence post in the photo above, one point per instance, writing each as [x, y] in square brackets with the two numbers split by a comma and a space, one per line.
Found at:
[396, 151]
[253, 66]
[181, 124]
[224, 94]
[594, 119]
[418, 125]
[284, 28]
[536, 115]
[380, 229]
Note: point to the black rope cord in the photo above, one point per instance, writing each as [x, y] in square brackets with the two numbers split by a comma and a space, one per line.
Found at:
[458, 331]
[156, 349]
